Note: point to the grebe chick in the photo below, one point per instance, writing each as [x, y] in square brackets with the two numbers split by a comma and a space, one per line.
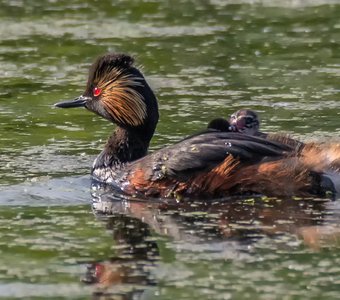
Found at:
[221, 124]
[247, 121]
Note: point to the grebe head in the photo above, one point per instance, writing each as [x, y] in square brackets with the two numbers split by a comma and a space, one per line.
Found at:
[117, 91]
[221, 124]
[245, 121]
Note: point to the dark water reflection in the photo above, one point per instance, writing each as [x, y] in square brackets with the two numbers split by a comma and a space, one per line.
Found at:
[204, 59]
[283, 236]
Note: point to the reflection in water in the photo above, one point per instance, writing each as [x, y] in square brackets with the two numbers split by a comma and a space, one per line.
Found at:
[132, 264]
[223, 227]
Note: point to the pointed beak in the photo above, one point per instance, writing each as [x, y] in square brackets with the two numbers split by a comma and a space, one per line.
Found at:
[78, 102]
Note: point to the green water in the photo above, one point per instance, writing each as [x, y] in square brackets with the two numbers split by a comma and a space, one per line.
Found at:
[204, 59]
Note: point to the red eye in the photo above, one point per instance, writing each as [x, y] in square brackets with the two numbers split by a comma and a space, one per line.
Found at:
[99, 270]
[97, 92]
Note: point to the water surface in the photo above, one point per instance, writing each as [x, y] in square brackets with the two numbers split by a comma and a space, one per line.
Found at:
[204, 59]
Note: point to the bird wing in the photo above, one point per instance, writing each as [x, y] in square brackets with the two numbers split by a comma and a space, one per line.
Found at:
[204, 152]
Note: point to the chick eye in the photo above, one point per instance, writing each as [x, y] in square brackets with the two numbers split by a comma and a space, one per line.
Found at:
[97, 91]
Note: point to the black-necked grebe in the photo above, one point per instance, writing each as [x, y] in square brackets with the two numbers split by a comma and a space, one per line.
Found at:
[213, 163]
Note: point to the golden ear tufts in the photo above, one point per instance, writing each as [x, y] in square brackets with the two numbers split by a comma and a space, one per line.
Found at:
[122, 101]
[112, 74]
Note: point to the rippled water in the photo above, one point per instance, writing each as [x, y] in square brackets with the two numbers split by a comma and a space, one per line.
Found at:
[204, 59]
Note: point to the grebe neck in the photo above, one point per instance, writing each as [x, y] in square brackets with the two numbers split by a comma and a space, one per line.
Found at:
[123, 146]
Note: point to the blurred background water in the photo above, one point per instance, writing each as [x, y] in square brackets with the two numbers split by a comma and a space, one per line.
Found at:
[204, 59]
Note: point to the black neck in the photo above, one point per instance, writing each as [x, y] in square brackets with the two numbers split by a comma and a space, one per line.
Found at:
[123, 146]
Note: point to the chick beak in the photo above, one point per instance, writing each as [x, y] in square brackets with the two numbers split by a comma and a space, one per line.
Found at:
[78, 102]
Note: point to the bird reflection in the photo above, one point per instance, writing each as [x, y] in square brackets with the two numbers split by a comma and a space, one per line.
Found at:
[135, 257]
[228, 226]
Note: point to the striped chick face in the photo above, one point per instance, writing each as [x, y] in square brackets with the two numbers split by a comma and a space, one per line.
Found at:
[245, 121]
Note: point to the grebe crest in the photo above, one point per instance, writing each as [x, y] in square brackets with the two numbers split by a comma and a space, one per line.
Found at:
[112, 82]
